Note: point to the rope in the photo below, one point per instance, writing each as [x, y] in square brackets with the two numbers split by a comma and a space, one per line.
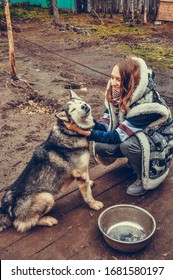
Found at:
[68, 59]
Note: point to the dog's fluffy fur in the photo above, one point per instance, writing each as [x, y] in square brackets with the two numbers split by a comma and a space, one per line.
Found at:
[64, 156]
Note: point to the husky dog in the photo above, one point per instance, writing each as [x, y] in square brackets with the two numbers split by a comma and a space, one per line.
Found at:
[63, 157]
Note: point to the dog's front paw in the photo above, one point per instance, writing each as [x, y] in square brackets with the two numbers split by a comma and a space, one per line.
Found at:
[92, 183]
[96, 205]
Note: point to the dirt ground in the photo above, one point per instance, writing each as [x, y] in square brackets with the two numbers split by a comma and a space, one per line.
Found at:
[44, 63]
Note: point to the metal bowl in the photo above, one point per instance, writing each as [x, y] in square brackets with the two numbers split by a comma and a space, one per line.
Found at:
[126, 227]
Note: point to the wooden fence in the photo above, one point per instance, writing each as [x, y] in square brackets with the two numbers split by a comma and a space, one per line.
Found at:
[116, 6]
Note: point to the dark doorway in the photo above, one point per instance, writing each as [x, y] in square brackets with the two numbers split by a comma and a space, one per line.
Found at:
[82, 6]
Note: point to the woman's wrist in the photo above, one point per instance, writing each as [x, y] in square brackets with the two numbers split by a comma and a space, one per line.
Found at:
[76, 128]
[86, 133]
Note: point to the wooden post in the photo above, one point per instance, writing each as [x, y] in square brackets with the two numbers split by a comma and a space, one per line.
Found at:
[56, 13]
[11, 42]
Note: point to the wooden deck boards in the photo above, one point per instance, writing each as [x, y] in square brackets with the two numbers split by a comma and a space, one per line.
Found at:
[77, 235]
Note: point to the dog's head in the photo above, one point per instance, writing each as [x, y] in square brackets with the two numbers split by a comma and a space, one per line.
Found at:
[77, 111]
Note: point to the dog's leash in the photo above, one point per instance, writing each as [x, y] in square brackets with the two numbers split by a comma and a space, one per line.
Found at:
[69, 59]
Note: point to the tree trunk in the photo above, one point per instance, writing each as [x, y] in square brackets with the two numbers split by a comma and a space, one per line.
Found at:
[133, 10]
[10, 41]
[56, 13]
[145, 11]
[121, 6]
[154, 8]
[126, 10]
[139, 10]
[111, 8]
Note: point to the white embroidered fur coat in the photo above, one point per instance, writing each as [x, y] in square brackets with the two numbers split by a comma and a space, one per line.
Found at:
[157, 139]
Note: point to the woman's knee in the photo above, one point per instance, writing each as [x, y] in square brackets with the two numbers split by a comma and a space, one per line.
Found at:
[131, 146]
[108, 150]
[99, 149]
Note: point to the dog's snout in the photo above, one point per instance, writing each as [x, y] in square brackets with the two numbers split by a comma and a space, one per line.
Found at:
[85, 107]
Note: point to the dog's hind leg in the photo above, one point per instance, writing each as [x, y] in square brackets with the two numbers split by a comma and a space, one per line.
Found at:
[47, 221]
[40, 204]
[85, 185]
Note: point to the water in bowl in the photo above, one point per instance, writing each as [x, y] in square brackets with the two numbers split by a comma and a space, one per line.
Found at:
[127, 232]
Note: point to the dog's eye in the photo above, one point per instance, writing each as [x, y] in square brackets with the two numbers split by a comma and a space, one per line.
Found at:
[72, 110]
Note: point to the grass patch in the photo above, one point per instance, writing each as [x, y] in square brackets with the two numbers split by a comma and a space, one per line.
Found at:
[26, 12]
[111, 27]
[122, 30]
[127, 40]
[160, 56]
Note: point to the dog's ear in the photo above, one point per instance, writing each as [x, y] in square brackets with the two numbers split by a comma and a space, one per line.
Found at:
[62, 116]
[73, 94]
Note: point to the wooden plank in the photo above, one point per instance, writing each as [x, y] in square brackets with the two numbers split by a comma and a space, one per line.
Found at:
[100, 250]
[87, 233]
[68, 202]
[72, 201]
[95, 173]
[60, 242]
[159, 248]
[79, 236]
[41, 237]
[100, 170]
[10, 235]
[165, 11]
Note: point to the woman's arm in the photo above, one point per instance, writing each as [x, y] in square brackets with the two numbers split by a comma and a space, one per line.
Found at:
[109, 137]
[74, 127]
[144, 120]
[120, 134]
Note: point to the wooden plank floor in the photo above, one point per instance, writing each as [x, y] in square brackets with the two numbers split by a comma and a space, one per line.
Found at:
[77, 235]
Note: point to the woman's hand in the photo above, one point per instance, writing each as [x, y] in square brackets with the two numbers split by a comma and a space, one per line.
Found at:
[74, 127]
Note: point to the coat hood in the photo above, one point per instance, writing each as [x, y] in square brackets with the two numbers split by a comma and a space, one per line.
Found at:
[146, 80]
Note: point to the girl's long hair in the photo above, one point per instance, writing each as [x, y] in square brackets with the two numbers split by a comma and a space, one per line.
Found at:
[130, 75]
